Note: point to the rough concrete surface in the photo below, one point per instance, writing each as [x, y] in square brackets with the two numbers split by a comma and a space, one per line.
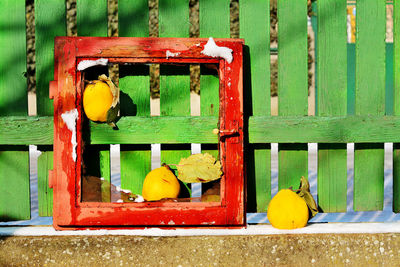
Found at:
[265, 250]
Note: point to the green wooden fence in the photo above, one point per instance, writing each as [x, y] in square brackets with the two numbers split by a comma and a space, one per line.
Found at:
[370, 122]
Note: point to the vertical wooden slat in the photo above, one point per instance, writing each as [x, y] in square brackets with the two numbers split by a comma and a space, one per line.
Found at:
[174, 81]
[92, 20]
[292, 85]
[45, 194]
[332, 101]
[257, 96]
[50, 22]
[396, 103]
[134, 84]
[47, 26]
[14, 161]
[214, 19]
[14, 184]
[370, 100]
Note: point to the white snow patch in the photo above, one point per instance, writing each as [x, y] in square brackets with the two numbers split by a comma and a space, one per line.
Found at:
[317, 228]
[169, 54]
[69, 119]
[120, 201]
[213, 50]
[139, 198]
[34, 151]
[84, 64]
[118, 188]
[126, 191]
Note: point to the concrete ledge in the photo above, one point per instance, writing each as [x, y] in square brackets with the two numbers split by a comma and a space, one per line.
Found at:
[332, 244]
[265, 229]
[241, 250]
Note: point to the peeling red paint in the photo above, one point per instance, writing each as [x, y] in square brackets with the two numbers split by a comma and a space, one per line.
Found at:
[70, 212]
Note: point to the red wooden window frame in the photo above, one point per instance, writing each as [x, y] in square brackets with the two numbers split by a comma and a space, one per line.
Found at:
[68, 211]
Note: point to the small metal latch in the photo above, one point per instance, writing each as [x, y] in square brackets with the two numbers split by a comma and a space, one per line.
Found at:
[225, 133]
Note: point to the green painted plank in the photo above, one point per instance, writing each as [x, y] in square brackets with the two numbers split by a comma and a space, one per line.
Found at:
[369, 100]
[134, 83]
[262, 129]
[14, 183]
[292, 85]
[13, 94]
[291, 129]
[351, 78]
[396, 103]
[91, 18]
[45, 194]
[174, 80]
[127, 10]
[214, 20]
[24, 130]
[257, 92]
[150, 130]
[332, 101]
[14, 160]
[50, 22]
[105, 172]
[135, 165]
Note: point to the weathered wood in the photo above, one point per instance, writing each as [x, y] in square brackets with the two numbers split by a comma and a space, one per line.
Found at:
[69, 212]
[174, 80]
[396, 103]
[92, 20]
[332, 101]
[292, 129]
[45, 194]
[292, 85]
[257, 95]
[23, 130]
[369, 100]
[14, 160]
[134, 83]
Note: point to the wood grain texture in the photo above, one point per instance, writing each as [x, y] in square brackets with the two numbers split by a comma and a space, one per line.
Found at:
[165, 130]
[174, 80]
[24, 130]
[332, 101]
[91, 18]
[45, 194]
[14, 160]
[291, 129]
[50, 21]
[257, 94]
[369, 100]
[13, 94]
[292, 85]
[396, 103]
[14, 184]
[134, 84]
[214, 20]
